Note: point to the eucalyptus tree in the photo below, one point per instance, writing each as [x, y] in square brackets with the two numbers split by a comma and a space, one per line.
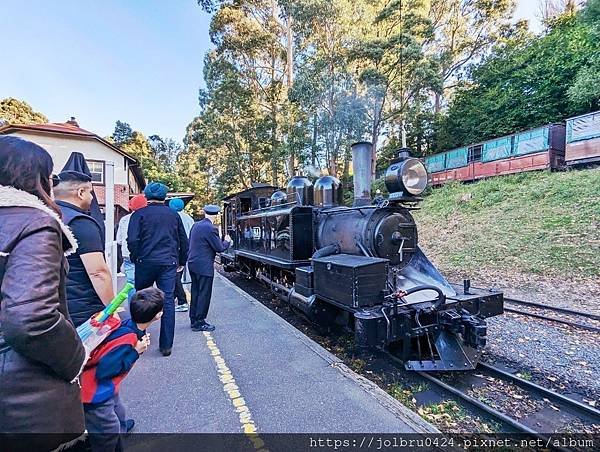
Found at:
[254, 37]
[393, 63]
[14, 111]
[325, 87]
[463, 32]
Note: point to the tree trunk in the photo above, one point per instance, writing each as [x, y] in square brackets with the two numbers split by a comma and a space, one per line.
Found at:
[403, 132]
[313, 149]
[438, 103]
[374, 140]
[376, 128]
[333, 166]
[346, 172]
[274, 159]
[291, 161]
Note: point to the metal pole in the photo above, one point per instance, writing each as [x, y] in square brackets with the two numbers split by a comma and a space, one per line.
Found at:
[109, 221]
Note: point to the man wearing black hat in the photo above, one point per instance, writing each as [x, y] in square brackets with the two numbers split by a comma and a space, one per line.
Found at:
[158, 247]
[204, 245]
[89, 283]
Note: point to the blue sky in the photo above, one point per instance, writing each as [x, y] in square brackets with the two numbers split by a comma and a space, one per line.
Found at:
[139, 61]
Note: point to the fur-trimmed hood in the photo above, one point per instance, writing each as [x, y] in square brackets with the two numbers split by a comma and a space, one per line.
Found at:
[12, 197]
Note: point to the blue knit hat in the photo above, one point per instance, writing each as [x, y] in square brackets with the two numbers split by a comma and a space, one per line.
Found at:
[156, 190]
[176, 204]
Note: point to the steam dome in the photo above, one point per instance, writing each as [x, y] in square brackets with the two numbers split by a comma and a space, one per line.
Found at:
[328, 192]
[301, 189]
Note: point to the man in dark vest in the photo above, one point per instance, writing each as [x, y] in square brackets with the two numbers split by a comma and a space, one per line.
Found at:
[89, 282]
[204, 245]
[158, 247]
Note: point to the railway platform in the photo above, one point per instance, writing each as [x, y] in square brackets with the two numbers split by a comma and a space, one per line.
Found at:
[254, 374]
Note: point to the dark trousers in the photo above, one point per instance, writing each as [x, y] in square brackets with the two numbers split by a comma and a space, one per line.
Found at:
[164, 276]
[201, 293]
[180, 295]
[105, 422]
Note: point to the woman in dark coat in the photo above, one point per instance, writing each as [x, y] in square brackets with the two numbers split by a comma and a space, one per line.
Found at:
[41, 354]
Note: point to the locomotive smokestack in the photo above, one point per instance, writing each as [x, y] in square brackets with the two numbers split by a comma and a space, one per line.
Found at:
[361, 166]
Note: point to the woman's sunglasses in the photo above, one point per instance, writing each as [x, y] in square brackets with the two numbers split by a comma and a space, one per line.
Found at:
[55, 180]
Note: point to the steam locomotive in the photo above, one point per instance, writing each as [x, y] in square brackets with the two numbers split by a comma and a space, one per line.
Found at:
[359, 267]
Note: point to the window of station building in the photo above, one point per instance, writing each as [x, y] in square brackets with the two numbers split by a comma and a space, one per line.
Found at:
[474, 154]
[134, 188]
[97, 171]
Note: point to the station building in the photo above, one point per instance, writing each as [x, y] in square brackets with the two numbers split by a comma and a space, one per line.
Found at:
[62, 139]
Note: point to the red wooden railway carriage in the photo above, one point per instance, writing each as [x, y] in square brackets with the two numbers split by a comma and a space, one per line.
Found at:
[541, 148]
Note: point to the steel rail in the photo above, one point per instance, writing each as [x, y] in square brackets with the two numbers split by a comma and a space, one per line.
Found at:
[553, 308]
[518, 426]
[548, 393]
[478, 404]
[554, 319]
[471, 400]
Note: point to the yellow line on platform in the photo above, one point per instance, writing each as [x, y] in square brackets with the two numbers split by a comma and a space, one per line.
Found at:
[233, 391]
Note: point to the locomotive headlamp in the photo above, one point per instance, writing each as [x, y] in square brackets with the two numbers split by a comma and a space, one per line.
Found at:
[408, 176]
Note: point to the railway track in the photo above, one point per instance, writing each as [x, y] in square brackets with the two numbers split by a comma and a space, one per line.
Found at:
[492, 374]
[569, 317]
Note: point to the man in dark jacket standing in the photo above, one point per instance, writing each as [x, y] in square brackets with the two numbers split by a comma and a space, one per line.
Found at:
[89, 282]
[158, 247]
[204, 245]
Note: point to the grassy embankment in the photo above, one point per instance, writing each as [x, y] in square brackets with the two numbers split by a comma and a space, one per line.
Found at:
[514, 228]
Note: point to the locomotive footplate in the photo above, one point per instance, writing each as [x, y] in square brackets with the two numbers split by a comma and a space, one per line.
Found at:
[448, 337]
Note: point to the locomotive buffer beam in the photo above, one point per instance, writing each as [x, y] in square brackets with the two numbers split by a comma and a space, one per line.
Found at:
[445, 340]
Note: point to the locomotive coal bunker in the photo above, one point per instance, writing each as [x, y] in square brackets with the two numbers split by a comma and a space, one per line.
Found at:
[359, 267]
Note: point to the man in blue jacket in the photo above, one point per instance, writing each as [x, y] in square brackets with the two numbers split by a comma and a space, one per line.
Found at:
[158, 246]
[204, 245]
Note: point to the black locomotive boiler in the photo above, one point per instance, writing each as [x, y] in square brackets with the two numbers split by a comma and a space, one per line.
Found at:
[359, 266]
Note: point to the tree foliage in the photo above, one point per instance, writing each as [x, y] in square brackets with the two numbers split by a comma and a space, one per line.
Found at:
[13, 111]
[290, 84]
[585, 91]
[525, 82]
[156, 156]
[122, 134]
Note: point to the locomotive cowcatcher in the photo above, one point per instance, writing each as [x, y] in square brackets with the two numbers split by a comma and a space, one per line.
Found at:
[359, 267]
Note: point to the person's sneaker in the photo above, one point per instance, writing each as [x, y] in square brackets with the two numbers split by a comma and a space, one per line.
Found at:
[203, 326]
[181, 308]
[165, 351]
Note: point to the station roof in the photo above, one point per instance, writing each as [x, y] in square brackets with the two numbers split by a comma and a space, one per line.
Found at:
[71, 128]
[63, 128]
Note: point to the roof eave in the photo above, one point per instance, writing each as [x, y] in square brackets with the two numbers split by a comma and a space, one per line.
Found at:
[7, 128]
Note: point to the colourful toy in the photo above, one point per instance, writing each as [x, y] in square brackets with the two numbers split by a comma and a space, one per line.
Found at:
[99, 326]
